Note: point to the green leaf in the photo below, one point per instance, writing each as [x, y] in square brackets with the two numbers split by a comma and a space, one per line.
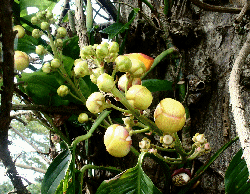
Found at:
[154, 85]
[117, 28]
[41, 88]
[133, 180]
[56, 172]
[236, 178]
[40, 4]
[71, 48]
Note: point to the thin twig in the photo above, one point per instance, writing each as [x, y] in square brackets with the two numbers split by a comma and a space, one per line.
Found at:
[242, 127]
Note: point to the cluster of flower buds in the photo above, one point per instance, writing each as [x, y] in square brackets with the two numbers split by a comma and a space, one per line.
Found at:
[51, 66]
[202, 146]
[44, 18]
[104, 51]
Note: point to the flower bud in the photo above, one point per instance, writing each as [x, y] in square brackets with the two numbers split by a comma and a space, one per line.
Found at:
[207, 147]
[167, 139]
[34, 20]
[55, 63]
[40, 50]
[40, 16]
[170, 115]
[20, 31]
[113, 47]
[148, 61]
[59, 43]
[102, 50]
[96, 102]
[123, 63]
[95, 74]
[21, 60]
[44, 25]
[83, 117]
[63, 91]
[46, 68]
[61, 32]
[87, 51]
[144, 144]
[123, 82]
[139, 97]
[36, 33]
[117, 140]
[138, 68]
[105, 82]
[49, 15]
[81, 69]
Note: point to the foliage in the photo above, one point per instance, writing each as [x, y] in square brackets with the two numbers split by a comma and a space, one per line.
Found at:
[89, 82]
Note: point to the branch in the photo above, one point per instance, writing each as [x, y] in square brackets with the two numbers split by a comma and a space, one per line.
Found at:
[242, 127]
[30, 143]
[214, 8]
[29, 167]
[7, 92]
[64, 11]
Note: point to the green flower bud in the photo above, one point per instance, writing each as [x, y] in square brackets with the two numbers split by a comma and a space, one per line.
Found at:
[83, 117]
[61, 32]
[40, 50]
[40, 16]
[55, 63]
[63, 91]
[44, 25]
[105, 82]
[81, 69]
[34, 20]
[138, 68]
[59, 43]
[46, 68]
[113, 47]
[117, 140]
[139, 97]
[96, 102]
[102, 50]
[95, 74]
[123, 63]
[21, 60]
[49, 15]
[36, 33]
[87, 51]
[169, 115]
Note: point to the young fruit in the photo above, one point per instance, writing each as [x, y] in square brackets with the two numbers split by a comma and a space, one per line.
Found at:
[63, 91]
[34, 20]
[123, 63]
[21, 60]
[102, 50]
[148, 61]
[170, 115]
[105, 82]
[139, 97]
[20, 31]
[96, 102]
[117, 140]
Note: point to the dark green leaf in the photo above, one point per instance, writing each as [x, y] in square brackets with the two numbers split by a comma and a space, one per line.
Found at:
[236, 178]
[71, 48]
[154, 85]
[133, 180]
[56, 172]
[117, 28]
